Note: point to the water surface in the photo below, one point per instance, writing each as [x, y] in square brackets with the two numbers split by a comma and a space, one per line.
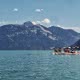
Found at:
[38, 65]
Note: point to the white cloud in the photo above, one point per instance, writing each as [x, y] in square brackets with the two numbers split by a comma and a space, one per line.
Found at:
[59, 25]
[46, 21]
[3, 22]
[34, 22]
[8, 22]
[38, 10]
[77, 28]
[15, 9]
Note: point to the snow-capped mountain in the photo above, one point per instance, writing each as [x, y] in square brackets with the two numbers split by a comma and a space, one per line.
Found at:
[30, 37]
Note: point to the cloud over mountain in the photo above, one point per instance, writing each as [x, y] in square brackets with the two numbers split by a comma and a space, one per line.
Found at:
[46, 21]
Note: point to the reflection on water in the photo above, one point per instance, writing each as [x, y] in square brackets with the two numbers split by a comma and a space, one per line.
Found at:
[38, 65]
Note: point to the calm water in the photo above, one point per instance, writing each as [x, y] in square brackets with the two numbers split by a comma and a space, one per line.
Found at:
[38, 65]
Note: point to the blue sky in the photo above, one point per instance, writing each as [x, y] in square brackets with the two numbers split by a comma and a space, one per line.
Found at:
[64, 13]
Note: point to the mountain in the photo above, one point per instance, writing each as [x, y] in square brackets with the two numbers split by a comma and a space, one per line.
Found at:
[67, 36]
[35, 37]
[77, 44]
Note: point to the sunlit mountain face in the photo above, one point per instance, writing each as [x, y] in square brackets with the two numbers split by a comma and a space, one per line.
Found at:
[28, 36]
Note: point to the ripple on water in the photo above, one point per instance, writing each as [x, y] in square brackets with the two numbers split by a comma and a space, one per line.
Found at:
[38, 65]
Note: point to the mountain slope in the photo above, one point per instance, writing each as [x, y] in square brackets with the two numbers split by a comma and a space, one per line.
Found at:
[68, 36]
[26, 36]
[31, 37]
[77, 43]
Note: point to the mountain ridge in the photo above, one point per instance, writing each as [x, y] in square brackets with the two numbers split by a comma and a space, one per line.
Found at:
[28, 36]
